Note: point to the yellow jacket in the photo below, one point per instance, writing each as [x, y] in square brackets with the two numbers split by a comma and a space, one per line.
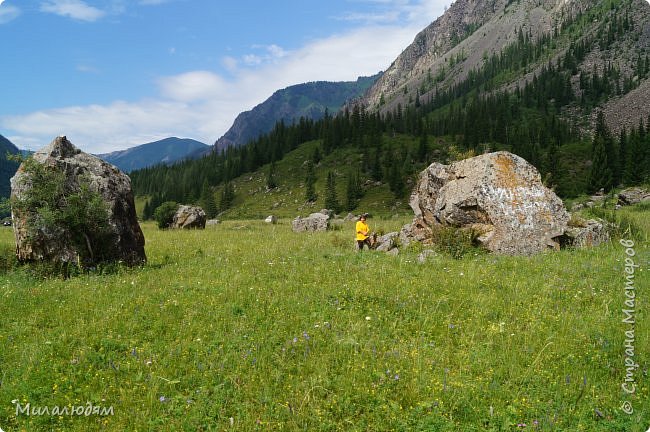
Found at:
[361, 228]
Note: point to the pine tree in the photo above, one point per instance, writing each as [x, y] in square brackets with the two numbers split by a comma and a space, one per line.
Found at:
[353, 192]
[207, 201]
[271, 182]
[310, 181]
[146, 212]
[423, 147]
[227, 197]
[601, 175]
[331, 199]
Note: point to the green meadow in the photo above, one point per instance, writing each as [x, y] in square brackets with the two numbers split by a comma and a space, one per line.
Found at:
[248, 326]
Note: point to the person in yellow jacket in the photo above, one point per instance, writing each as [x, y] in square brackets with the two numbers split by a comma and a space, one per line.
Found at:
[363, 232]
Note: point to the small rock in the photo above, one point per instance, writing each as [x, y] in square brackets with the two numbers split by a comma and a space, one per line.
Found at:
[271, 219]
[425, 255]
[189, 217]
[393, 252]
[633, 196]
[386, 242]
[211, 222]
[314, 222]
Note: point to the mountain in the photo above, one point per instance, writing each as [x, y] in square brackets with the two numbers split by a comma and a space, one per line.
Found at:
[166, 151]
[562, 83]
[599, 39]
[309, 100]
[7, 168]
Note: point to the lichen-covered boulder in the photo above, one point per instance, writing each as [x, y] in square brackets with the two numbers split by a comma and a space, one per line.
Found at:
[591, 233]
[633, 196]
[313, 222]
[124, 240]
[189, 217]
[499, 195]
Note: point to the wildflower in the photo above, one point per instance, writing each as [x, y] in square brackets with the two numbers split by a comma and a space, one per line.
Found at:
[368, 318]
[162, 399]
[521, 425]
[305, 335]
[396, 377]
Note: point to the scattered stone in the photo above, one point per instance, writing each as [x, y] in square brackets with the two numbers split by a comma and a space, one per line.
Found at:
[633, 196]
[211, 222]
[272, 219]
[327, 212]
[498, 194]
[592, 233]
[126, 238]
[393, 252]
[386, 242]
[577, 207]
[425, 255]
[350, 217]
[189, 217]
[313, 222]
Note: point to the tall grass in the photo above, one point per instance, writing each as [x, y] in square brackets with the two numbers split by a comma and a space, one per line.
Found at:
[248, 326]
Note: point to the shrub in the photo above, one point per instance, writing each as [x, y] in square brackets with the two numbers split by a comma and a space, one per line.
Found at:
[164, 214]
[51, 205]
[453, 241]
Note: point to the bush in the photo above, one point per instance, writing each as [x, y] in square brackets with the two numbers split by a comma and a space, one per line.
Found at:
[51, 205]
[455, 242]
[164, 214]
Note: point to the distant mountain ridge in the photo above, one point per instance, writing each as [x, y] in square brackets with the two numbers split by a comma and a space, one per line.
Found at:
[165, 151]
[7, 168]
[309, 100]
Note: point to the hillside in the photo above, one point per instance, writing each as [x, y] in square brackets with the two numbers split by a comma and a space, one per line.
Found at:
[608, 40]
[547, 92]
[7, 168]
[309, 100]
[166, 151]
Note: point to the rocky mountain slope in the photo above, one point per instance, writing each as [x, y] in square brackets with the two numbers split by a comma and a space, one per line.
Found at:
[166, 151]
[615, 34]
[309, 100]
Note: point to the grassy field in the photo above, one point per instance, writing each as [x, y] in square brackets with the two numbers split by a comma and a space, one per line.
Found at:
[248, 326]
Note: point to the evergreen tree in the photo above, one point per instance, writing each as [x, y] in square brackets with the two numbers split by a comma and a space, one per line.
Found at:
[353, 192]
[331, 199]
[600, 176]
[146, 212]
[207, 201]
[423, 147]
[227, 197]
[310, 181]
[271, 182]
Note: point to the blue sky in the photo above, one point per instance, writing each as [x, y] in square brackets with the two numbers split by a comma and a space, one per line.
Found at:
[112, 74]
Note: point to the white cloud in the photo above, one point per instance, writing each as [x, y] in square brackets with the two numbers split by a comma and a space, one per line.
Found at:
[75, 9]
[193, 86]
[8, 13]
[202, 104]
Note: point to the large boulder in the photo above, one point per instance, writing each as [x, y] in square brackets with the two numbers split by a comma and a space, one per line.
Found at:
[633, 196]
[311, 223]
[189, 217]
[123, 240]
[499, 195]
